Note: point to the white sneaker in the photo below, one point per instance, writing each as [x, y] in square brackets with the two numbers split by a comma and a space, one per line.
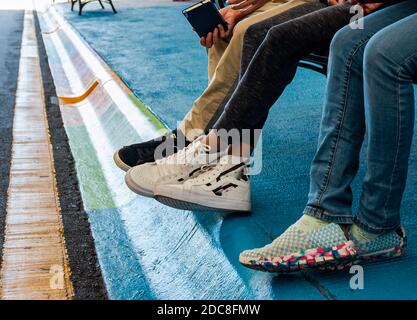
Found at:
[174, 169]
[223, 186]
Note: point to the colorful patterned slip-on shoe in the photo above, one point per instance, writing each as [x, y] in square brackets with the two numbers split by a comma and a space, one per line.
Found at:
[383, 247]
[326, 248]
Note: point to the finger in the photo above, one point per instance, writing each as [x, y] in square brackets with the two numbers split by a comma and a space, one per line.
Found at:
[230, 2]
[248, 10]
[242, 5]
[203, 41]
[216, 36]
[209, 40]
[223, 34]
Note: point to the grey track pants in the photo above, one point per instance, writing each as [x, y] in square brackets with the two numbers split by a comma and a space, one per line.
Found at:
[271, 52]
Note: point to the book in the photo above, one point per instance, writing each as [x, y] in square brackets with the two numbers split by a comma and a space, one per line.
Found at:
[204, 17]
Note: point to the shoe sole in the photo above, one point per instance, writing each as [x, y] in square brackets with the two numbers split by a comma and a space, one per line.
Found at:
[374, 257]
[191, 206]
[119, 162]
[335, 258]
[137, 189]
[392, 253]
[198, 202]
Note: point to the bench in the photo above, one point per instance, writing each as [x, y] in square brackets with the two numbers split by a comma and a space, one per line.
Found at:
[81, 4]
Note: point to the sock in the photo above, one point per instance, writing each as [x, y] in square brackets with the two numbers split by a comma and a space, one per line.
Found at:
[360, 234]
[308, 223]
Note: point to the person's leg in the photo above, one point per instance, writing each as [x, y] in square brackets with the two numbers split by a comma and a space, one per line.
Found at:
[224, 63]
[254, 37]
[342, 129]
[264, 78]
[224, 66]
[335, 162]
[275, 64]
[390, 66]
[272, 69]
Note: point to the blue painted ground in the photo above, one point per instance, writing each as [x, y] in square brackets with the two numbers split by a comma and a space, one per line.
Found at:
[155, 52]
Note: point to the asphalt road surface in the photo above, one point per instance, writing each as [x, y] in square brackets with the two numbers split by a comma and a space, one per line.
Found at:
[11, 25]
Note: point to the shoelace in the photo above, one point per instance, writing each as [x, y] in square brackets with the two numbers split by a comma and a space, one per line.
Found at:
[188, 156]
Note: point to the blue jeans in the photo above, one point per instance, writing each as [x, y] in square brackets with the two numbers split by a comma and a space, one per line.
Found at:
[369, 86]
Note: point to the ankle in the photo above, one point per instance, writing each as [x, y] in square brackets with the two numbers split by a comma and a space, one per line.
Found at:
[308, 223]
[360, 234]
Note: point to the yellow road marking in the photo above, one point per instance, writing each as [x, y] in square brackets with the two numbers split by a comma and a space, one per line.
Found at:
[72, 100]
[50, 32]
[34, 264]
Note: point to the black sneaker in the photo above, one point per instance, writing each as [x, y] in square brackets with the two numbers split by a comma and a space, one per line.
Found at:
[140, 153]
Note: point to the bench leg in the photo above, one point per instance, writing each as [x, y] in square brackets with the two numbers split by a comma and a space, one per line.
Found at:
[112, 6]
[72, 4]
[80, 9]
[101, 4]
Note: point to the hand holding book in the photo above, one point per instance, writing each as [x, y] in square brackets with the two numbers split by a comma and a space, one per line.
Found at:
[213, 26]
[232, 14]
[231, 17]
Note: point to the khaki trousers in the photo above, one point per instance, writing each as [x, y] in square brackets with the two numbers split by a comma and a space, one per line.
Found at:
[223, 71]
